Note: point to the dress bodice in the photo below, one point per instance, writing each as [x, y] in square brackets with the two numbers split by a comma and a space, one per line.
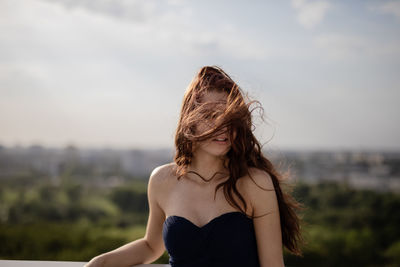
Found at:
[226, 241]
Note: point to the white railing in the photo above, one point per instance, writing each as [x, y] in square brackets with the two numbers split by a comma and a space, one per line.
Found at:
[14, 263]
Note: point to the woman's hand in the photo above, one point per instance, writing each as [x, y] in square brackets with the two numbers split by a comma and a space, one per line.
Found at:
[97, 261]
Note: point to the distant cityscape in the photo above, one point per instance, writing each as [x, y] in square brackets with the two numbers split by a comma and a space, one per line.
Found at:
[376, 170]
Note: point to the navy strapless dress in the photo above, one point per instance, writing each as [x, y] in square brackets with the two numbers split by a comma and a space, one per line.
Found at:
[226, 241]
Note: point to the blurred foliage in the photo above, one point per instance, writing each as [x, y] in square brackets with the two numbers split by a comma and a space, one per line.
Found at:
[69, 220]
[343, 226]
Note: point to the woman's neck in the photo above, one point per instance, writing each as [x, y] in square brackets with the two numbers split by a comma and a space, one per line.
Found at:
[206, 165]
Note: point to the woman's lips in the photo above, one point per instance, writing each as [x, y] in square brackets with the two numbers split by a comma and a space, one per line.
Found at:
[221, 141]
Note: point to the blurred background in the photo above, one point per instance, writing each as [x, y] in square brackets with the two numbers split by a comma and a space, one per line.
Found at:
[90, 94]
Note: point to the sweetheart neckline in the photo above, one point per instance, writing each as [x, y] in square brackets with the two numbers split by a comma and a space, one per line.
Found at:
[208, 223]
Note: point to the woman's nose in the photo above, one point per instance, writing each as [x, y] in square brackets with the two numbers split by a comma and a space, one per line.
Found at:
[223, 131]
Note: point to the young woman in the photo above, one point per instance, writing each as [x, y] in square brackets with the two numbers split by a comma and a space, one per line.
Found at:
[220, 202]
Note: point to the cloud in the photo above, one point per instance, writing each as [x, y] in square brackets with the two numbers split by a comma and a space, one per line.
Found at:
[138, 11]
[391, 7]
[161, 24]
[338, 46]
[310, 13]
[223, 42]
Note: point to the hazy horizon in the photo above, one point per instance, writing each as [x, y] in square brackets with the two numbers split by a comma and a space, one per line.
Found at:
[266, 148]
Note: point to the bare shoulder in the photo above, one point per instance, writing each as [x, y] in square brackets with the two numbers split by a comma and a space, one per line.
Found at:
[161, 177]
[254, 186]
[262, 192]
[258, 178]
[163, 173]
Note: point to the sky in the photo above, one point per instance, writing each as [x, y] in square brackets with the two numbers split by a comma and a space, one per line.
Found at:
[112, 73]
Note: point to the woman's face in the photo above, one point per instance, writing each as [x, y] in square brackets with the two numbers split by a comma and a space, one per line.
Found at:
[220, 144]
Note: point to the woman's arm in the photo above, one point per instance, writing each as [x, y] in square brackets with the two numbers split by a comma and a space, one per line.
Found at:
[267, 228]
[151, 246]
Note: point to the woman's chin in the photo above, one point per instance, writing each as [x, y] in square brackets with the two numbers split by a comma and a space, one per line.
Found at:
[218, 151]
[215, 148]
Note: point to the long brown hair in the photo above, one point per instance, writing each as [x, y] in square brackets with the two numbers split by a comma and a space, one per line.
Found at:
[245, 151]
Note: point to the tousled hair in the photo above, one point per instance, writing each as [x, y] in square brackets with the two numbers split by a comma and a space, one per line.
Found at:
[245, 151]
